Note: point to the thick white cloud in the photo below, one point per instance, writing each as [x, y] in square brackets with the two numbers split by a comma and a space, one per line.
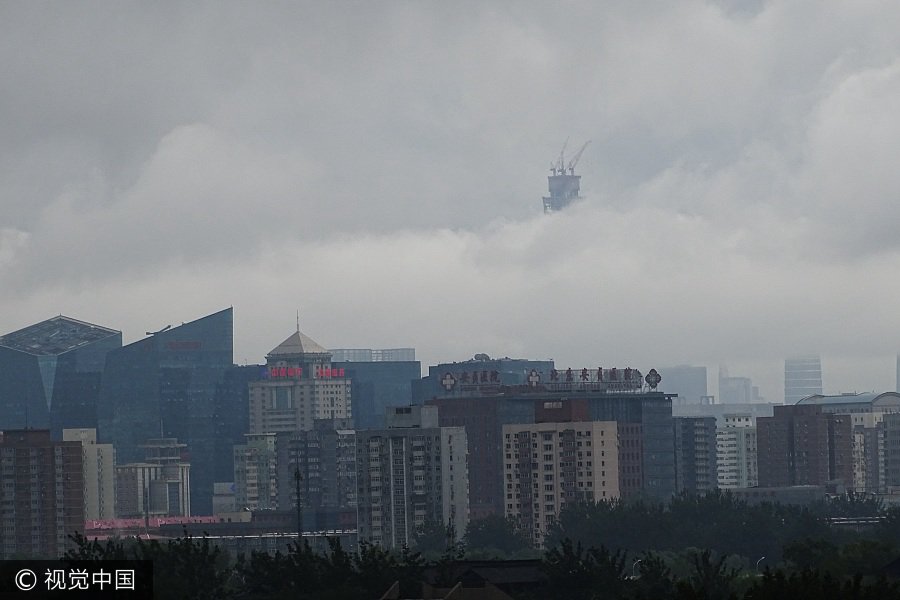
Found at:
[381, 168]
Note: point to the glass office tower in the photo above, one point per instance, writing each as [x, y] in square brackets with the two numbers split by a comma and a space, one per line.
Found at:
[165, 386]
[50, 374]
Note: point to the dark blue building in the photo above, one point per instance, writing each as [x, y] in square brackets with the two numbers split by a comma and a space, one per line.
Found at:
[231, 416]
[377, 385]
[173, 384]
[479, 375]
[50, 374]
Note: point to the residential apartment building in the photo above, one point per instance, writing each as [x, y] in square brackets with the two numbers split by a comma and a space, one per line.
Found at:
[325, 460]
[866, 413]
[551, 465]
[41, 494]
[255, 473]
[802, 445]
[736, 458]
[644, 418]
[412, 473]
[695, 454]
[99, 474]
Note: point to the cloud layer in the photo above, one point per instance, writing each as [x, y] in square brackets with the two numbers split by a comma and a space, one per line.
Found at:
[381, 169]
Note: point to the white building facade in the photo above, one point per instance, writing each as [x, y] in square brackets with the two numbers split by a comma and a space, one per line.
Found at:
[410, 474]
[736, 452]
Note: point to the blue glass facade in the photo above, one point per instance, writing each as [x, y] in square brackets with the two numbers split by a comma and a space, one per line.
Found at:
[50, 374]
[165, 386]
[377, 385]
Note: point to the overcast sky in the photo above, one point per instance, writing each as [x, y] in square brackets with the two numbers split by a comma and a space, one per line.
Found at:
[381, 166]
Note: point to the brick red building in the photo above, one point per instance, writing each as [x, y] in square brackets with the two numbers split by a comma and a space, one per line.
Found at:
[41, 494]
[801, 445]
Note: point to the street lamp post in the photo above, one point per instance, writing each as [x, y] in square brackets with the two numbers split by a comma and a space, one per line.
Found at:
[633, 567]
[761, 558]
[297, 479]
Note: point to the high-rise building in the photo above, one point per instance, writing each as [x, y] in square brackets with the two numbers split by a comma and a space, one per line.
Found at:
[564, 184]
[412, 473]
[551, 465]
[42, 496]
[736, 460]
[369, 355]
[255, 473]
[478, 376]
[689, 383]
[865, 412]
[736, 390]
[325, 458]
[644, 418]
[802, 378]
[301, 386]
[802, 445]
[160, 486]
[99, 474]
[890, 464]
[695, 454]
[165, 386]
[50, 374]
[897, 387]
[376, 385]
[231, 416]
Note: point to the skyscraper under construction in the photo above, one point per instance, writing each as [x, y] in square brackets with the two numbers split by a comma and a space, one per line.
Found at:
[564, 183]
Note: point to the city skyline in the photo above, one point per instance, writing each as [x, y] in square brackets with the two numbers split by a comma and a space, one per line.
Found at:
[739, 187]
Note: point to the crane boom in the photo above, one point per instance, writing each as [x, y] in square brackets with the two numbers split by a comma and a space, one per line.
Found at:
[571, 166]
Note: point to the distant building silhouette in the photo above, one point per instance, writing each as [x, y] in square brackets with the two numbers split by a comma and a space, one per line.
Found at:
[376, 355]
[736, 390]
[564, 184]
[686, 381]
[802, 378]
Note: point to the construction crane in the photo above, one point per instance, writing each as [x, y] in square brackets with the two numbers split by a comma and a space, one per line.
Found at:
[559, 166]
[571, 166]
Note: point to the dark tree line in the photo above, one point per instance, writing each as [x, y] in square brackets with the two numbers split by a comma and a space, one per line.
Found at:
[720, 522]
[695, 547]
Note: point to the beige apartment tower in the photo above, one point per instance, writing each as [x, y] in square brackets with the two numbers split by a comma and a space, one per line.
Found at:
[550, 465]
[99, 469]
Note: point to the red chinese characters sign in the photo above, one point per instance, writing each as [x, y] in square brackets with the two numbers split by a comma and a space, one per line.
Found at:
[297, 373]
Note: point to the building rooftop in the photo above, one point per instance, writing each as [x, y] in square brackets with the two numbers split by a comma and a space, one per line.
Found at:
[55, 336]
[297, 344]
[863, 398]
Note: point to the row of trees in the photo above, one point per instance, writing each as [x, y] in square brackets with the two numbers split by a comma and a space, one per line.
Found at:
[721, 522]
[711, 546]
[194, 569]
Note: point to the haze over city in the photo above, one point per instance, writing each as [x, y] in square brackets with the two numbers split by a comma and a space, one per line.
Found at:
[380, 168]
